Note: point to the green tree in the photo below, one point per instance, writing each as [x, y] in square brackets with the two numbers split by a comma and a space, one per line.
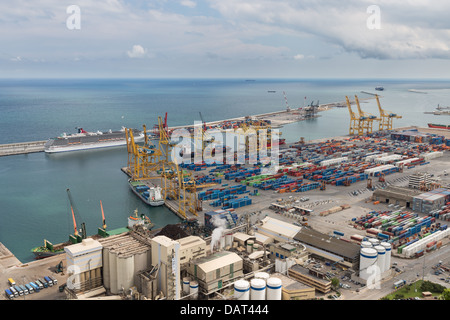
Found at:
[445, 295]
[335, 283]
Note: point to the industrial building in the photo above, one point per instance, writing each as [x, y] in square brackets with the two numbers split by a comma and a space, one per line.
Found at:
[123, 257]
[401, 196]
[84, 263]
[295, 290]
[329, 248]
[216, 270]
[310, 277]
[278, 230]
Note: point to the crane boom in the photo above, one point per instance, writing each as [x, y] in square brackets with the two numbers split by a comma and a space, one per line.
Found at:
[103, 216]
[75, 231]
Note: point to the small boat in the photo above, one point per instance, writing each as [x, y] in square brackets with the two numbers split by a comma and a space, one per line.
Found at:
[379, 88]
[150, 195]
[141, 220]
[48, 249]
[438, 126]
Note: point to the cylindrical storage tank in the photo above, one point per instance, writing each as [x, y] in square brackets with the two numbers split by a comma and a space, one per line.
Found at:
[186, 282]
[381, 258]
[249, 246]
[228, 238]
[106, 269]
[387, 259]
[113, 272]
[193, 289]
[374, 241]
[368, 257]
[255, 247]
[257, 289]
[366, 244]
[242, 290]
[274, 288]
[140, 263]
[125, 272]
[262, 275]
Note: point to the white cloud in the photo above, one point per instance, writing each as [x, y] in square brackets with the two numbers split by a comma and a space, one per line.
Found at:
[409, 29]
[188, 3]
[299, 57]
[137, 52]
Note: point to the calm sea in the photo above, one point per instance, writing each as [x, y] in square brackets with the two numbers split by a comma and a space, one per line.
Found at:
[33, 200]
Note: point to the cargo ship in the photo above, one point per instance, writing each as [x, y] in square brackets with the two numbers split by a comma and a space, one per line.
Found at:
[84, 140]
[49, 250]
[438, 126]
[141, 220]
[149, 195]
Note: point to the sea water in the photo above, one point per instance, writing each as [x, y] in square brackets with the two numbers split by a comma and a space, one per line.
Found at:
[34, 203]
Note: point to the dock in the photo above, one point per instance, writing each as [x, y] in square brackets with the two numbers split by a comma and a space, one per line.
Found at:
[22, 148]
[7, 259]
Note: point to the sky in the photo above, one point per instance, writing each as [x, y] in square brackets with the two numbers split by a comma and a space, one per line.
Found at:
[225, 39]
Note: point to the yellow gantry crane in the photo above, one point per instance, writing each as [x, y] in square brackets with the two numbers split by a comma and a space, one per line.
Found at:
[386, 117]
[356, 126]
[154, 161]
[366, 118]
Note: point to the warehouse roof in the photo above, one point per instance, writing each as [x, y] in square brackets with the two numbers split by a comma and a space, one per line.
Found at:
[217, 260]
[277, 228]
[330, 244]
[397, 192]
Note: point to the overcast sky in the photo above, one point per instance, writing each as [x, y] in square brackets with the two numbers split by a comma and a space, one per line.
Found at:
[225, 38]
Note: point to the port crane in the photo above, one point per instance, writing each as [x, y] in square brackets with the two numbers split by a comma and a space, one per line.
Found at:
[287, 105]
[386, 117]
[76, 237]
[367, 118]
[356, 126]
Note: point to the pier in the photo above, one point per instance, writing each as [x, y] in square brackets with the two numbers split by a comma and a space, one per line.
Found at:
[7, 259]
[22, 148]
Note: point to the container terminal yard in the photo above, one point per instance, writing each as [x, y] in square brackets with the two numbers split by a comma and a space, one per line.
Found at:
[369, 209]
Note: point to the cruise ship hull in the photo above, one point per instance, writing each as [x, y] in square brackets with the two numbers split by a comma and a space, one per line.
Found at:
[88, 141]
[98, 145]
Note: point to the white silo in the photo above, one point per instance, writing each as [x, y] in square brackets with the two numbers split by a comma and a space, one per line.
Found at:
[228, 238]
[257, 289]
[125, 272]
[262, 275]
[140, 263]
[366, 244]
[106, 269]
[242, 290]
[381, 258]
[368, 257]
[193, 289]
[374, 241]
[250, 246]
[186, 281]
[274, 288]
[387, 259]
[113, 272]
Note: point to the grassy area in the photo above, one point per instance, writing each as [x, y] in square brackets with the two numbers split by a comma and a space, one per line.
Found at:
[409, 291]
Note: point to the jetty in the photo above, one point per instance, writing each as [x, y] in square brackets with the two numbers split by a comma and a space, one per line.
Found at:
[21, 148]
